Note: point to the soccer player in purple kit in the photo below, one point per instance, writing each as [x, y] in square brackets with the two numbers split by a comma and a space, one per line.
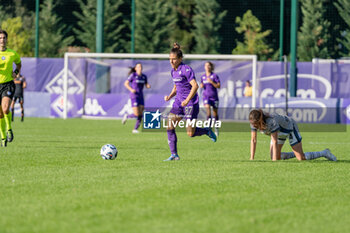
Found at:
[186, 102]
[135, 83]
[210, 82]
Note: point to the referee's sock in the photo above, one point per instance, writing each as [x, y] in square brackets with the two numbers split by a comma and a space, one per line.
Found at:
[3, 128]
[8, 120]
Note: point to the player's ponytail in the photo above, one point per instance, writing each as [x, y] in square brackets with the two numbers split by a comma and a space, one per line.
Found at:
[133, 69]
[176, 50]
[258, 118]
[176, 45]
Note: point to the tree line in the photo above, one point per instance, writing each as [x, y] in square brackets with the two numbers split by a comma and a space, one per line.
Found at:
[196, 24]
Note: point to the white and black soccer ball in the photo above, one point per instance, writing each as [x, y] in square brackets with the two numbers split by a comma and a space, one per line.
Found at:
[109, 152]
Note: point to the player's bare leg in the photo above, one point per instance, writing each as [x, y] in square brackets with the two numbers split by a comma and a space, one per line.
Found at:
[207, 110]
[134, 114]
[195, 131]
[298, 151]
[13, 110]
[22, 111]
[279, 149]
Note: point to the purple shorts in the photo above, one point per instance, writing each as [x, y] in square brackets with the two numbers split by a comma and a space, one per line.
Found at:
[211, 101]
[188, 112]
[137, 101]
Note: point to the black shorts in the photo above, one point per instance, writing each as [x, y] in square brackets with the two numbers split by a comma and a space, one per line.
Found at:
[7, 89]
[18, 97]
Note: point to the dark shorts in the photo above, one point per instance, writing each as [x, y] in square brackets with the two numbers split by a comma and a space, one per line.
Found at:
[137, 101]
[211, 101]
[18, 98]
[7, 89]
[188, 112]
[293, 135]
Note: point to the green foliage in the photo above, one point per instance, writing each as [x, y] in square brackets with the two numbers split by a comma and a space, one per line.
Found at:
[86, 24]
[114, 24]
[26, 20]
[3, 14]
[207, 22]
[18, 39]
[254, 37]
[183, 29]
[19, 10]
[343, 7]
[313, 36]
[154, 25]
[52, 43]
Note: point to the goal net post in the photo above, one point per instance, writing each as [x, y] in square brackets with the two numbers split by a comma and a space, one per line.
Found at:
[106, 73]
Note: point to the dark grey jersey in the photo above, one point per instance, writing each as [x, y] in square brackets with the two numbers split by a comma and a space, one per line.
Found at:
[19, 85]
[276, 122]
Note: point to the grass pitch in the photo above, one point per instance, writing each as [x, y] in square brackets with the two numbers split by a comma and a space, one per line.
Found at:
[52, 179]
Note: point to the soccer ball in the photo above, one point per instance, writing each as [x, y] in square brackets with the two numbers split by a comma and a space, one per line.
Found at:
[109, 152]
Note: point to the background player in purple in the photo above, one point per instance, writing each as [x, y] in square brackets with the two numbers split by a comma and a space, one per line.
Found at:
[210, 82]
[135, 83]
[186, 102]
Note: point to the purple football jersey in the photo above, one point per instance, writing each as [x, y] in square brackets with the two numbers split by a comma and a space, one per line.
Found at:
[137, 83]
[181, 78]
[209, 90]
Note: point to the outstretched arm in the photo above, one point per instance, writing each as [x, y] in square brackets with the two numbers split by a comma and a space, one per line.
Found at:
[253, 139]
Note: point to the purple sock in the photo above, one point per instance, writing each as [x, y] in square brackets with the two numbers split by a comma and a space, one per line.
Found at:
[200, 132]
[172, 141]
[216, 118]
[208, 117]
[138, 122]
